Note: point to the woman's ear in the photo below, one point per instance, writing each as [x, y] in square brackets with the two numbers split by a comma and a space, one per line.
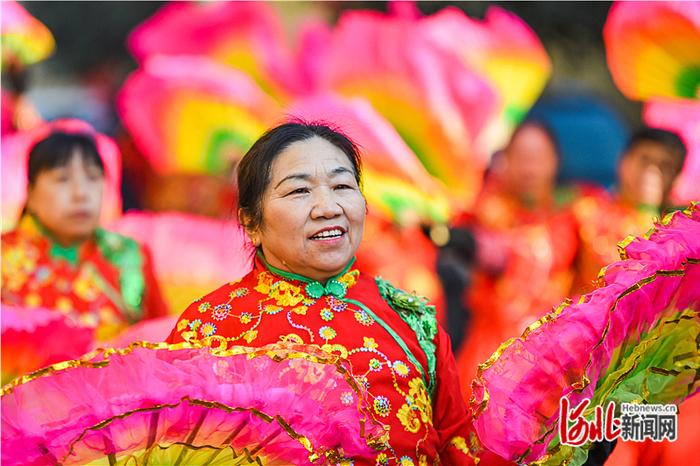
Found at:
[28, 205]
[245, 222]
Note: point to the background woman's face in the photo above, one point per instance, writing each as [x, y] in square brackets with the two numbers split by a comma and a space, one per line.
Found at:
[67, 199]
[313, 212]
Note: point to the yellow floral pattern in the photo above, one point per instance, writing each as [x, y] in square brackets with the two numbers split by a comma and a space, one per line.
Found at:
[417, 410]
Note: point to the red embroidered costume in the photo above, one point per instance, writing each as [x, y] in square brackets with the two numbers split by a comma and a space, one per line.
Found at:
[390, 337]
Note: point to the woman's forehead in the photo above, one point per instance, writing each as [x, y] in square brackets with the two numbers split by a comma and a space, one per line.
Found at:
[313, 158]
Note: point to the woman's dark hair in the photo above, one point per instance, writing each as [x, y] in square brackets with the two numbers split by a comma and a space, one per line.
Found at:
[255, 166]
[57, 149]
[670, 140]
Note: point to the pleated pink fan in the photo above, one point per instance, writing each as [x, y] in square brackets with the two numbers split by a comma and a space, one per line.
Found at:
[15, 153]
[189, 114]
[652, 49]
[191, 255]
[683, 117]
[505, 52]
[25, 39]
[151, 330]
[247, 36]
[179, 405]
[436, 103]
[35, 338]
[634, 339]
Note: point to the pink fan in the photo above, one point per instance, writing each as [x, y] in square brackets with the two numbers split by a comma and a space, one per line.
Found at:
[632, 339]
[189, 114]
[505, 52]
[652, 49]
[682, 117]
[15, 152]
[151, 330]
[434, 101]
[247, 36]
[24, 38]
[161, 404]
[35, 338]
[209, 252]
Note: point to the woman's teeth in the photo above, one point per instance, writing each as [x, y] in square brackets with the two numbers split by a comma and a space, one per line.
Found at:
[328, 234]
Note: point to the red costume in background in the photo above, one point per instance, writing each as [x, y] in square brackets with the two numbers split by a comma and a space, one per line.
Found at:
[107, 281]
[525, 257]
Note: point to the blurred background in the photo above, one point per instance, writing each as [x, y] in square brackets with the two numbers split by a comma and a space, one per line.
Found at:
[92, 62]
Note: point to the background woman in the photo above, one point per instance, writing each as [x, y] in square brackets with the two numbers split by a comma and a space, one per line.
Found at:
[58, 258]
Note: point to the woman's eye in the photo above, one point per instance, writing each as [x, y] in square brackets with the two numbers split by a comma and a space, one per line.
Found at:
[299, 191]
[343, 186]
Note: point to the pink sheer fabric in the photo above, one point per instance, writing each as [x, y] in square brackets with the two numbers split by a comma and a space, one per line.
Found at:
[284, 404]
[569, 352]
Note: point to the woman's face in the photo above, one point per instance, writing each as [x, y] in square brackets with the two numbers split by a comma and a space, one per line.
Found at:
[67, 199]
[313, 212]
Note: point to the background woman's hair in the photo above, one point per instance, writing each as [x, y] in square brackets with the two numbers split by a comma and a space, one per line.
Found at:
[255, 166]
[668, 139]
[542, 126]
[57, 150]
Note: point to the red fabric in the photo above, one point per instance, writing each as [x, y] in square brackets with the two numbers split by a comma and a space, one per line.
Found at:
[264, 308]
[153, 301]
[602, 221]
[525, 258]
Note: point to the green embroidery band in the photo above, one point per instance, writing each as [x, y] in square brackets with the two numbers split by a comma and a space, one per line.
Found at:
[125, 254]
[419, 315]
[314, 289]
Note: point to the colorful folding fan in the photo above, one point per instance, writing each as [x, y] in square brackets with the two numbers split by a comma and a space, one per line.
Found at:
[652, 49]
[154, 404]
[15, 153]
[683, 117]
[25, 40]
[209, 252]
[189, 114]
[247, 36]
[635, 339]
[505, 52]
[432, 99]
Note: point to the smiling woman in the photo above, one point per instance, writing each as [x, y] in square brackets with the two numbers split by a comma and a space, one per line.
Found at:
[302, 206]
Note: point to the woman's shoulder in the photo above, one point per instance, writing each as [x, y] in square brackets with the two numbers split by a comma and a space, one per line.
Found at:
[237, 290]
[413, 308]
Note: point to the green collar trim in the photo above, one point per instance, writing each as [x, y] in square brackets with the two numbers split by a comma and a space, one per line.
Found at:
[70, 254]
[315, 289]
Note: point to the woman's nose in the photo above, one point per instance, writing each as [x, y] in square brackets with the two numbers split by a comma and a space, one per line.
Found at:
[325, 204]
[80, 187]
